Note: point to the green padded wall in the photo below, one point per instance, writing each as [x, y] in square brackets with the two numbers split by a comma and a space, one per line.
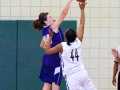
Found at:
[8, 47]
[29, 57]
[21, 55]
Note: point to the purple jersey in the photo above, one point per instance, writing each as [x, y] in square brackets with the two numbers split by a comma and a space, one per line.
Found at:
[51, 64]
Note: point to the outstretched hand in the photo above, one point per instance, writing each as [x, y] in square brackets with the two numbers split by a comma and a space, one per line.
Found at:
[114, 52]
[114, 81]
[50, 32]
[82, 4]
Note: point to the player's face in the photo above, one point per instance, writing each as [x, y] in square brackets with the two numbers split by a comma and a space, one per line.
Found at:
[50, 19]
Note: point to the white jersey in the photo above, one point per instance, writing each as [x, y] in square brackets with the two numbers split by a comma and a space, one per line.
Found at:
[118, 49]
[71, 56]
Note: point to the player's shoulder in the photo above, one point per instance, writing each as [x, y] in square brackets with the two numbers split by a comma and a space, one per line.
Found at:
[45, 30]
[64, 43]
[78, 40]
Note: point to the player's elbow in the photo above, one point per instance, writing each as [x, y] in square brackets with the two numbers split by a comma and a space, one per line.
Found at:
[47, 52]
[41, 45]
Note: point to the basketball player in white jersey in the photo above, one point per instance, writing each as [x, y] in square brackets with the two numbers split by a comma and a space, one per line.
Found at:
[116, 54]
[73, 68]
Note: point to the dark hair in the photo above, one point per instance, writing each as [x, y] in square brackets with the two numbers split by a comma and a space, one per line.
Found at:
[39, 23]
[70, 36]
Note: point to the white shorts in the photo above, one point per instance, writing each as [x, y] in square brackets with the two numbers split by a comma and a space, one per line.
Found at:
[79, 81]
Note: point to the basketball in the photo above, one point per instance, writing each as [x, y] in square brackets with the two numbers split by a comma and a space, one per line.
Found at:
[79, 0]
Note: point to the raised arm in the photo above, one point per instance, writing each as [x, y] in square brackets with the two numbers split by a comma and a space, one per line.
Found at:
[62, 16]
[80, 31]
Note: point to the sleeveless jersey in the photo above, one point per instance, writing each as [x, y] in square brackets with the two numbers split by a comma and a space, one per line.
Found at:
[71, 57]
[51, 64]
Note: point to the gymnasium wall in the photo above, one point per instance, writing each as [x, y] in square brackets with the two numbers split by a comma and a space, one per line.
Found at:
[21, 55]
[102, 30]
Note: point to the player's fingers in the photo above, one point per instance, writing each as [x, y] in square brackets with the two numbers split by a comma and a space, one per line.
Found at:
[113, 83]
[112, 50]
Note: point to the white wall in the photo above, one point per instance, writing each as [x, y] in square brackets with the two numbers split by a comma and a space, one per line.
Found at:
[102, 30]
